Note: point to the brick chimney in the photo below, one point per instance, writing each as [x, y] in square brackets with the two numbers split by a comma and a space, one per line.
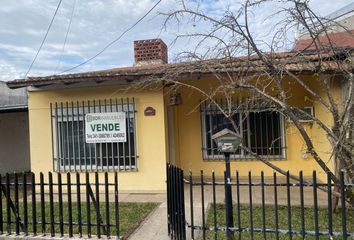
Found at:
[152, 51]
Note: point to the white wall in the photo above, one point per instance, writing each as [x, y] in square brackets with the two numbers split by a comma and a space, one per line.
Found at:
[14, 142]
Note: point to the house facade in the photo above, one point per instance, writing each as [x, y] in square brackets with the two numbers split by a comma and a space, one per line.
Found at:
[70, 117]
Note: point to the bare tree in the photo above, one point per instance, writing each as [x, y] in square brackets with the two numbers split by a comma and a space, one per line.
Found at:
[257, 79]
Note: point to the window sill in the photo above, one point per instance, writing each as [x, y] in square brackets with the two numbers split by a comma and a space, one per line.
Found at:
[243, 158]
[98, 169]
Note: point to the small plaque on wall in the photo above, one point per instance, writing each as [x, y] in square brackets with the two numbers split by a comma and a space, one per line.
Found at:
[149, 111]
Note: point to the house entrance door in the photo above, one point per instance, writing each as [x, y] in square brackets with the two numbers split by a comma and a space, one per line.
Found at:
[171, 135]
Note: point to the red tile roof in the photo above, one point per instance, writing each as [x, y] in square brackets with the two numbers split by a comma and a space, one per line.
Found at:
[306, 62]
[337, 40]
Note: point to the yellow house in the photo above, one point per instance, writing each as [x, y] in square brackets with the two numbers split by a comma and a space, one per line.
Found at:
[102, 121]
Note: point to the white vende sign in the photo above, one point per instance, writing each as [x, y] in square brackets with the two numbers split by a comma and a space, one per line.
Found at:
[105, 127]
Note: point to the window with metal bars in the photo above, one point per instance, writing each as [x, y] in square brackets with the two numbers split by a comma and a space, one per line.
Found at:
[262, 132]
[69, 147]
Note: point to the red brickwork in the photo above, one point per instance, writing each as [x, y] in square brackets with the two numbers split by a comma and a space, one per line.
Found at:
[150, 50]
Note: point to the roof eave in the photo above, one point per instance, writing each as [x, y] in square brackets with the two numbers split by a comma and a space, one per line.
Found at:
[130, 78]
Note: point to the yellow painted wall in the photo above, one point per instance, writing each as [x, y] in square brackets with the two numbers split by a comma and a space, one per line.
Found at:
[150, 131]
[320, 139]
[188, 135]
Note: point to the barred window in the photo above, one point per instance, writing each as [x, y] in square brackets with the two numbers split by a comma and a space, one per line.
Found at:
[262, 132]
[70, 150]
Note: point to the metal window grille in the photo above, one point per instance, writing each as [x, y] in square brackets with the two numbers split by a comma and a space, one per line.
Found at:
[69, 147]
[262, 131]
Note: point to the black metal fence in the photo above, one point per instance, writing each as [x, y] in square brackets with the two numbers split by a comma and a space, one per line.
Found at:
[175, 203]
[59, 207]
[266, 218]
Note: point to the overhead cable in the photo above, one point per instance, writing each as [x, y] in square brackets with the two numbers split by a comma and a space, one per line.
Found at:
[66, 36]
[45, 37]
[114, 41]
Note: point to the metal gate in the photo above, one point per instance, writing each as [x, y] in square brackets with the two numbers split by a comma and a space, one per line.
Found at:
[175, 203]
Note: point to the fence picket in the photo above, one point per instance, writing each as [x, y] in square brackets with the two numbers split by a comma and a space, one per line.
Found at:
[41, 182]
[263, 207]
[88, 210]
[70, 207]
[183, 213]
[214, 207]
[60, 199]
[8, 212]
[17, 207]
[97, 206]
[33, 200]
[25, 206]
[106, 186]
[78, 196]
[168, 199]
[344, 220]
[191, 202]
[51, 205]
[250, 202]
[315, 204]
[180, 214]
[276, 206]
[203, 203]
[174, 203]
[238, 204]
[329, 205]
[302, 207]
[288, 202]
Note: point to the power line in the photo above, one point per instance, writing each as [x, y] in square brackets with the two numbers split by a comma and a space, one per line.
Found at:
[66, 36]
[114, 41]
[45, 37]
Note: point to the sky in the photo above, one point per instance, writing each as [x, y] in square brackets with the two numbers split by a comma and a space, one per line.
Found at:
[95, 23]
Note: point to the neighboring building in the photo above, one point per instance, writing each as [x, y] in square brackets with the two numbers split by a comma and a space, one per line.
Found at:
[14, 130]
[338, 31]
[65, 112]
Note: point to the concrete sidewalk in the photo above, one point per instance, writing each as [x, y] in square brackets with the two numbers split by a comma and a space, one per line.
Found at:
[154, 227]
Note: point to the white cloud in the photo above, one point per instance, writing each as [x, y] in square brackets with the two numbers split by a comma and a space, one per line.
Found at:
[23, 24]
[8, 71]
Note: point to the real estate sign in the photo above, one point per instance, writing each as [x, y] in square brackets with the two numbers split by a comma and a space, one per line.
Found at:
[105, 127]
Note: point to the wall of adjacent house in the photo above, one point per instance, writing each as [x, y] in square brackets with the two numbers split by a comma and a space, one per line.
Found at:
[188, 135]
[14, 142]
[150, 133]
[12, 97]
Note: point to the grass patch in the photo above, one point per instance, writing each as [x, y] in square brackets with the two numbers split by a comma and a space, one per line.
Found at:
[283, 221]
[130, 216]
